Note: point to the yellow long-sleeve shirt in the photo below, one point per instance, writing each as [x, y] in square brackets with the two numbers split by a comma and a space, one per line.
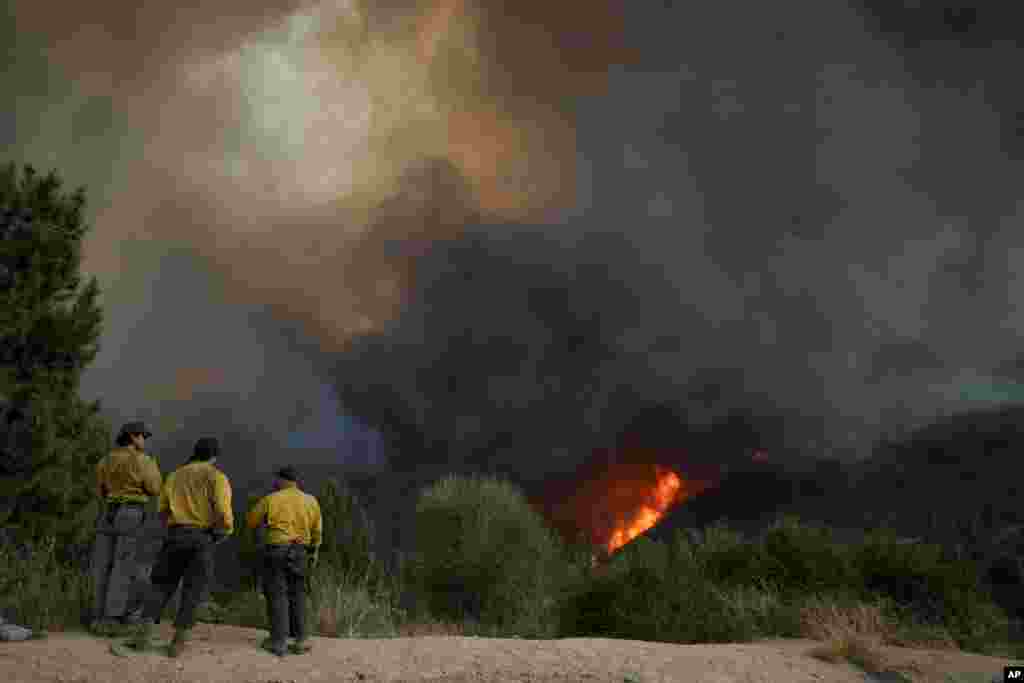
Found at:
[290, 516]
[127, 475]
[198, 494]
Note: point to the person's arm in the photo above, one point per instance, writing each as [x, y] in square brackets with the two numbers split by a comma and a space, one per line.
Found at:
[257, 516]
[101, 478]
[152, 480]
[164, 506]
[222, 501]
[316, 530]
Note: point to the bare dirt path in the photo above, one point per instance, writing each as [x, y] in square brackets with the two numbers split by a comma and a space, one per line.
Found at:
[228, 654]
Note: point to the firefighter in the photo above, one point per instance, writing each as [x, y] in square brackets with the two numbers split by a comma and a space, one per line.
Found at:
[195, 504]
[126, 479]
[294, 529]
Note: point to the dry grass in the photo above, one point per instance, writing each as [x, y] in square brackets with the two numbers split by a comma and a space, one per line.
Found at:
[855, 634]
[344, 607]
[930, 641]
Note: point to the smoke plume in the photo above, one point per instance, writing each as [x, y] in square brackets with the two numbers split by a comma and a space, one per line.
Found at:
[295, 158]
[776, 246]
[510, 233]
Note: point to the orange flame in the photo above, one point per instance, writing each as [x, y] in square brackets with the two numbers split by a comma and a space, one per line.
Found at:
[614, 506]
[665, 494]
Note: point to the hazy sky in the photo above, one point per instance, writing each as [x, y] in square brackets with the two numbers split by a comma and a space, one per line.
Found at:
[819, 200]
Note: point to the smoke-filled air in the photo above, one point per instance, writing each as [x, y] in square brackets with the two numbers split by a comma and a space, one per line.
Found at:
[505, 235]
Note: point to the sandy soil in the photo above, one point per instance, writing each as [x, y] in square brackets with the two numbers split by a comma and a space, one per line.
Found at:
[228, 654]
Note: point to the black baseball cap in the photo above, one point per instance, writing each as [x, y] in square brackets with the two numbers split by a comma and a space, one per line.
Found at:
[287, 472]
[206, 448]
[136, 428]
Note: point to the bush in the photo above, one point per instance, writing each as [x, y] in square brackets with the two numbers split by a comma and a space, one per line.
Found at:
[350, 606]
[802, 559]
[929, 591]
[854, 634]
[483, 554]
[244, 608]
[588, 611]
[771, 614]
[793, 558]
[348, 532]
[724, 557]
[728, 588]
[650, 593]
[39, 591]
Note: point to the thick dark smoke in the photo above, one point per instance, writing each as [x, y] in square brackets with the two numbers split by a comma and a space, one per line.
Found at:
[519, 353]
[791, 221]
[540, 228]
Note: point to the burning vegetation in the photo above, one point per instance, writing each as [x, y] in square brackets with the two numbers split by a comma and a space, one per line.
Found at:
[621, 501]
[666, 492]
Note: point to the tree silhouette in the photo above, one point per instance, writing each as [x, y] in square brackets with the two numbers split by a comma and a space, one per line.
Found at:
[49, 325]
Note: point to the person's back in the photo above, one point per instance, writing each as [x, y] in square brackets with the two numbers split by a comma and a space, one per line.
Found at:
[197, 494]
[128, 474]
[292, 516]
[294, 529]
[196, 506]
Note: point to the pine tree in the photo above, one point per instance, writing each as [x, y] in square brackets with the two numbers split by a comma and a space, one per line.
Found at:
[50, 322]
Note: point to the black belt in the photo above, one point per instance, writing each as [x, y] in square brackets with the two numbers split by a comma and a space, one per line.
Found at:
[119, 503]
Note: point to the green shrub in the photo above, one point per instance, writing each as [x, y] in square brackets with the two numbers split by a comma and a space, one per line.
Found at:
[348, 531]
[647, 593]
[802, 559]
[672, 601]
[928, 590]
[588, 610]
[793, 558]
[40, 591]
[724, 557]
[483, 554]
[771, 614]
[350, 605]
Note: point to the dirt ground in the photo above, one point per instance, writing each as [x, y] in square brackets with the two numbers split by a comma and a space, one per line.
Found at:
[228, 654]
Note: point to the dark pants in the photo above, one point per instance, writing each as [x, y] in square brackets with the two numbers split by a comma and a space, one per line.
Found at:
[118, 567]
[284, 585]
[187, 556]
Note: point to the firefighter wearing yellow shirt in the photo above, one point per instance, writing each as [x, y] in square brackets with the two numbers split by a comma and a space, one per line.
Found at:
[195, 503]
[126, 479]
[294, 531]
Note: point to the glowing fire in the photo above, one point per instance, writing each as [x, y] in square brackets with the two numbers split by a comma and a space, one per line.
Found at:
[610, 503]
[664, 495]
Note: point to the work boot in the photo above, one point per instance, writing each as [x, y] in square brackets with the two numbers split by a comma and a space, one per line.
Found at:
[142, 641]
[274, 648]
[181, 638]
[301, 646]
